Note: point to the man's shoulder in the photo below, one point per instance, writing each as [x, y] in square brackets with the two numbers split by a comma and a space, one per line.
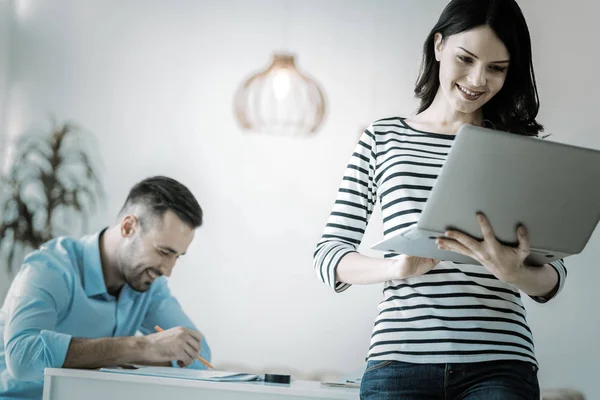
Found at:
[56, 250]
[62, 254]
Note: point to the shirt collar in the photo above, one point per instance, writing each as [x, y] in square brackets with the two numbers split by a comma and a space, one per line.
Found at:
[93, 278]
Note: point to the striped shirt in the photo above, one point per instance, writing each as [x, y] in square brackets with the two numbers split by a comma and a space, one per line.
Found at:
[455, 313]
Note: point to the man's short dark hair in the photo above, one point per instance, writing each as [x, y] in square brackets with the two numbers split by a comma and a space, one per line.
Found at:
[160, 194]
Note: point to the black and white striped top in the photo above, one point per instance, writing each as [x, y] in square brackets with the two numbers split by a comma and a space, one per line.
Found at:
[456, 312]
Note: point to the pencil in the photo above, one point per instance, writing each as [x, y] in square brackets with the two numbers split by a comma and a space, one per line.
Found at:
[202, 360]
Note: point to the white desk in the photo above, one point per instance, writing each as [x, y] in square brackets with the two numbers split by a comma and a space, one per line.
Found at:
[73, 384]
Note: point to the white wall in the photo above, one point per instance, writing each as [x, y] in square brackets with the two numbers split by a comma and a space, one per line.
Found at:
[6, 14]
[6, 17]
[155, 81]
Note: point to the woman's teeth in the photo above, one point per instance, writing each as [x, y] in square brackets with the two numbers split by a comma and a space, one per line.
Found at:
[469, 95]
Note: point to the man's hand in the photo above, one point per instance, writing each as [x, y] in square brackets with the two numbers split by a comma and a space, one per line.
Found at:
[179, 344]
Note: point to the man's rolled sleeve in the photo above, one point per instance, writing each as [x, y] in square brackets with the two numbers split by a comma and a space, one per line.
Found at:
[38, 296]
[28, 354]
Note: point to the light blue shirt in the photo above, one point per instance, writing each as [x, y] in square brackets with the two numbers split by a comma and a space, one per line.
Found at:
[60, 293]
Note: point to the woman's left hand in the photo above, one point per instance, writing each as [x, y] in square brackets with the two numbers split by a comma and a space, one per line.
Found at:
[504, 262]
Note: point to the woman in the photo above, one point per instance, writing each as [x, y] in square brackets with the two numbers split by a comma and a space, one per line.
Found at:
[445, 330]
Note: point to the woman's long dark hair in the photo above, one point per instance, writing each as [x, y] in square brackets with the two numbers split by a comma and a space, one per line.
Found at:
[515, 107]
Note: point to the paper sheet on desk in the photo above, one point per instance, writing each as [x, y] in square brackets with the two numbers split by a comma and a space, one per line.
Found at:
[183, 373]
[349, 383]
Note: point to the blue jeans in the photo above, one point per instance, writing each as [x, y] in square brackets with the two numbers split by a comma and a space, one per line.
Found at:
[493, 380]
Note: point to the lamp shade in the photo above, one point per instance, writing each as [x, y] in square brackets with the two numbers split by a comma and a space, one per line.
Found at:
[280, 100]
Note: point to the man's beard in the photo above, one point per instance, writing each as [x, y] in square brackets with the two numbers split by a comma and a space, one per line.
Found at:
[137, 282]
[133, 279]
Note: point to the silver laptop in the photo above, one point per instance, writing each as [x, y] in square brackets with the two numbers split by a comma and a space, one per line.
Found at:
[551, 188]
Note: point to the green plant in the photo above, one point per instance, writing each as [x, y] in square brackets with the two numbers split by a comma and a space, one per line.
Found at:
[51, 181]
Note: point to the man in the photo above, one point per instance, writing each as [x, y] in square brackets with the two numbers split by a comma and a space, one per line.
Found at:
[80, 303]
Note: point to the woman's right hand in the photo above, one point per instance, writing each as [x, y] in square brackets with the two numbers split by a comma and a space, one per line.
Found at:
[406, 266]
